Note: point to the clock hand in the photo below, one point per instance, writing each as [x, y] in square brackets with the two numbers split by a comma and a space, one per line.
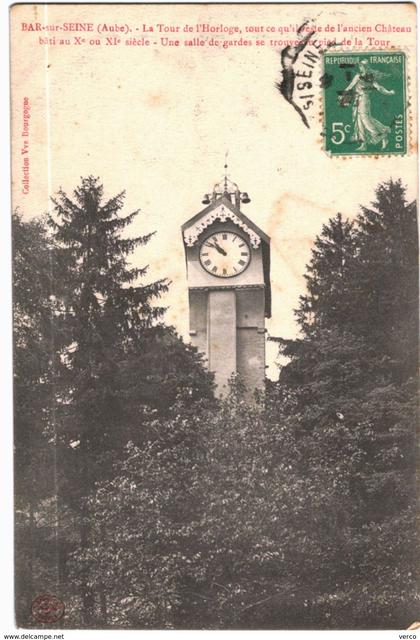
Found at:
[219, 248]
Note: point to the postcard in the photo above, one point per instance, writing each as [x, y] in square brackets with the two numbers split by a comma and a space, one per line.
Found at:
[215, 272]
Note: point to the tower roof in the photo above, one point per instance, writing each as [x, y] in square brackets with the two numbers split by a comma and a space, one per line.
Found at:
[221, 208]
[224, 205]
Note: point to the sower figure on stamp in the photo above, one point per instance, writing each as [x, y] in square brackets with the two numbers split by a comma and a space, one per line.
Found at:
[366, 129]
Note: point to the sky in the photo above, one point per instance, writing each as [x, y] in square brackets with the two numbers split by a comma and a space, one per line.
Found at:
[159, 122]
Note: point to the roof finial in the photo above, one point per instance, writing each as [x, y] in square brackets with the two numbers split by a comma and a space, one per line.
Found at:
[226, 167]
[226, 187]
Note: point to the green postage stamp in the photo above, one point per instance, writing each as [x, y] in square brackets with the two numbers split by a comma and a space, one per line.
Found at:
[365, 106]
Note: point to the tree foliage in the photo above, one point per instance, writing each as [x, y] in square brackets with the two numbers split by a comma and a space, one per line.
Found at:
[33, 391]
[356, 360]
[91, 361]
[362, 279]
[245, 519]
[179, 511]
[104, 309]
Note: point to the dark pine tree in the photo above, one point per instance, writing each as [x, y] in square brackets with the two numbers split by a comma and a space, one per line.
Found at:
[104, 309]
[94, 367]
[354, 365]
[105, 306]
[385, 278]
[33, 391]
[328, 298]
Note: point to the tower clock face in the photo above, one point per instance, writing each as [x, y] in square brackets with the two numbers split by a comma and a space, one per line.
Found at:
[225, 254]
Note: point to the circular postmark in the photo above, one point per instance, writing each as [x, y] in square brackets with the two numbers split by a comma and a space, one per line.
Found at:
[47, 608]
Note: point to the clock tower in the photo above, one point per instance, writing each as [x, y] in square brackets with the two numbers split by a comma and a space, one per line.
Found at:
[228, 273]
